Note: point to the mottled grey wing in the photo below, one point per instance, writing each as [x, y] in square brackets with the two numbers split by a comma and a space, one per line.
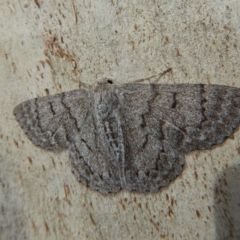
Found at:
[197, 117]
[89, 165]
[67, 120]
[51, 122]
[163, 122]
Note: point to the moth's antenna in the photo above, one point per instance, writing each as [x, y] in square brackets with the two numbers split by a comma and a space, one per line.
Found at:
[158, 76]
[162, 74]
[84, 85]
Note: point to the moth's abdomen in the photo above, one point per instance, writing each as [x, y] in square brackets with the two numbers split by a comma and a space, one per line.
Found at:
[107, 119]
[107, 113]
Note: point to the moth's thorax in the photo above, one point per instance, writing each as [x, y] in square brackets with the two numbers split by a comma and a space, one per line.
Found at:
[106, 102]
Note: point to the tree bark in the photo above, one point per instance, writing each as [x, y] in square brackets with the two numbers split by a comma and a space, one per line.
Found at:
[49, 47]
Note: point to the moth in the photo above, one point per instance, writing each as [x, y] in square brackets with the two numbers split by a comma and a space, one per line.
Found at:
[131, 136]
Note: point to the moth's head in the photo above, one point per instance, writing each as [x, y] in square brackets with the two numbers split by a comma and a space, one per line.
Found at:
[105, 98]
[105, 82]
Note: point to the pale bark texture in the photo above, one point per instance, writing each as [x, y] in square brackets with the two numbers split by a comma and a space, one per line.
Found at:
[49, 47]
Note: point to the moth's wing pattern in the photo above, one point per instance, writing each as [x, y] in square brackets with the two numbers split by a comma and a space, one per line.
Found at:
[163, 122]
[89, 164]
[67, 121]
[49, 122]
[91, 168]
[151, 162]
[198, 116]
